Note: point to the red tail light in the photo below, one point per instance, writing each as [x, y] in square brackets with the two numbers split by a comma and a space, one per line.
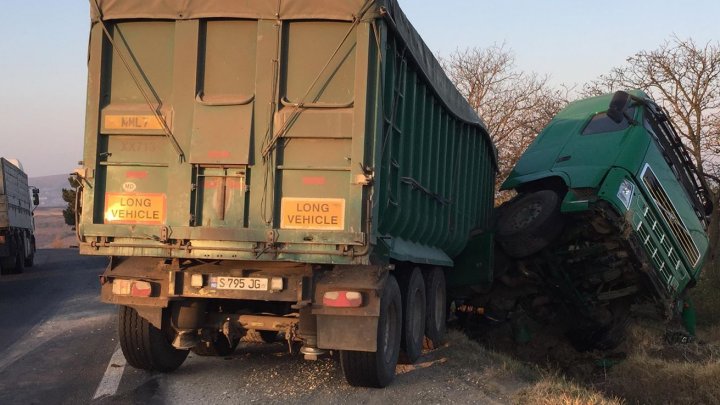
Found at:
[342, 299]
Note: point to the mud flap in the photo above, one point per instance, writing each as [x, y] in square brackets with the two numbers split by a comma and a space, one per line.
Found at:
[339, 332]
[350, 328]
[138, 268]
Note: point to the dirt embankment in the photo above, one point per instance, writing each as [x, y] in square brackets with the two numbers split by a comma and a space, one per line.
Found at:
[645, 369]
[51, 232]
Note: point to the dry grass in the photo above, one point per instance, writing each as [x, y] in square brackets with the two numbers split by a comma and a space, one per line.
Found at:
[557, 390]
[51, 230]
[646, 370]
[707, 301]
[494, 374]
[658, 373]
[654, 372]
[502, 376]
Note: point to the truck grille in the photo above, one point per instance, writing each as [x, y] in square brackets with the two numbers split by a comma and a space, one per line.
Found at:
[670, 214]
[650, 226]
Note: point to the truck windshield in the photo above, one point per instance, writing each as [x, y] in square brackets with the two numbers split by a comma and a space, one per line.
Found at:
[601, 123]
[657, 123]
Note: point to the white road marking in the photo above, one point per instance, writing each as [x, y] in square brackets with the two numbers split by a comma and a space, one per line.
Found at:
[113, 374]
[45, 332]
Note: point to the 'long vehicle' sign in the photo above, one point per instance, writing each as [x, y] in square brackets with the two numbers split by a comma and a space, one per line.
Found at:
[313, 213]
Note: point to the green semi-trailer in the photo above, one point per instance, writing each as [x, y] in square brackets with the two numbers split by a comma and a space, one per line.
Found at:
[294, 166]
[609, 210]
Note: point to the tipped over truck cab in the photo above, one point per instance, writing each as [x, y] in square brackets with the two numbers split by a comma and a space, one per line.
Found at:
[609, 208]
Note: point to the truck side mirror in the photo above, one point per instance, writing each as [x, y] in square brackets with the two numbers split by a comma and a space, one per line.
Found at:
[618, 106]
[36, 196]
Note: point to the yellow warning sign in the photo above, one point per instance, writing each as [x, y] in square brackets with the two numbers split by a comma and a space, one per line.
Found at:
[132, 122]
[313, 213]
[135, 208]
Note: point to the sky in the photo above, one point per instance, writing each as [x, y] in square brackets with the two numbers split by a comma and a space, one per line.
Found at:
[43, 54]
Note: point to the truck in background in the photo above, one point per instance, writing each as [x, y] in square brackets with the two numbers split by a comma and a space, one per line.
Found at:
[17, 226]
[609, 213]
[303, 167]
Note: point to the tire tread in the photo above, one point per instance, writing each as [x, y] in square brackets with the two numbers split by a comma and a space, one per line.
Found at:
[144, 346]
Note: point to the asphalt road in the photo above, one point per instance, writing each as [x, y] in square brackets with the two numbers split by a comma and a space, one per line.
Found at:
[58, 345]
[56, 335]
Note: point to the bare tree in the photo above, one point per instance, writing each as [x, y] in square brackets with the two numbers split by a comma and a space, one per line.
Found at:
[685, 78]
[515, 105]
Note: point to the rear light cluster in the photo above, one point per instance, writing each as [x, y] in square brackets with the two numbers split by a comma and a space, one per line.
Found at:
[2, 239]
[134, 288]
[342, 299]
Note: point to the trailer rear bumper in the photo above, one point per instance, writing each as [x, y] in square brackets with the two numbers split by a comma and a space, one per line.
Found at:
[150, 285]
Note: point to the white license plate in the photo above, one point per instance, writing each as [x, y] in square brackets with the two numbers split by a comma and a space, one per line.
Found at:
[239, 283]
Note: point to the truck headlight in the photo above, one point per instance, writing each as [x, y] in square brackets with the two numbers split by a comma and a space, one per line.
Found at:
[625, 193]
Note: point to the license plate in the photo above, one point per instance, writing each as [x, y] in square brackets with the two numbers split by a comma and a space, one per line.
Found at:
[239, 283]
[137, 122]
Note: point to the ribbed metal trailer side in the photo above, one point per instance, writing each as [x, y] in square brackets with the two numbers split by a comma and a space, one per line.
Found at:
[436, 171]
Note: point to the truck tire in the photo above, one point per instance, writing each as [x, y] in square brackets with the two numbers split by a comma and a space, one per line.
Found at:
[146, 347]
[436, 310]
[30, 260]
[218, 347]
[20, 260]
[377, 369]
[529, 223]
[412, 288]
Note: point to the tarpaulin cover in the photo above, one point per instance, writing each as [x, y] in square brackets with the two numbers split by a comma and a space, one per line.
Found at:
[342, 10]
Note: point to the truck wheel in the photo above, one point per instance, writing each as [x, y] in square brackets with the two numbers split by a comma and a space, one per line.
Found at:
[377, 369]
[30, 260]
[20, 260]
[529, 223]
[436, 310]
[146, 347]
[218, 347]
[412, 288]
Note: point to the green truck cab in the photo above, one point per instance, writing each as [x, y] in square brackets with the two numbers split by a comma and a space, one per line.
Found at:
[609, 209]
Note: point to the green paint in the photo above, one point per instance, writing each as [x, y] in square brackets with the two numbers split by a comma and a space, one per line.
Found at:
[593, 164]
[265, 109]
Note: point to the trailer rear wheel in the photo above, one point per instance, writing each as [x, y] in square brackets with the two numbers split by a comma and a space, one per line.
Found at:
[146, 347]
[436, 311]
[220, 346]
[529, 223]
[377, 369]
[412, 287]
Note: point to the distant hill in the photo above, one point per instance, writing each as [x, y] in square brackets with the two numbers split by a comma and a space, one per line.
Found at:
[51, 189]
